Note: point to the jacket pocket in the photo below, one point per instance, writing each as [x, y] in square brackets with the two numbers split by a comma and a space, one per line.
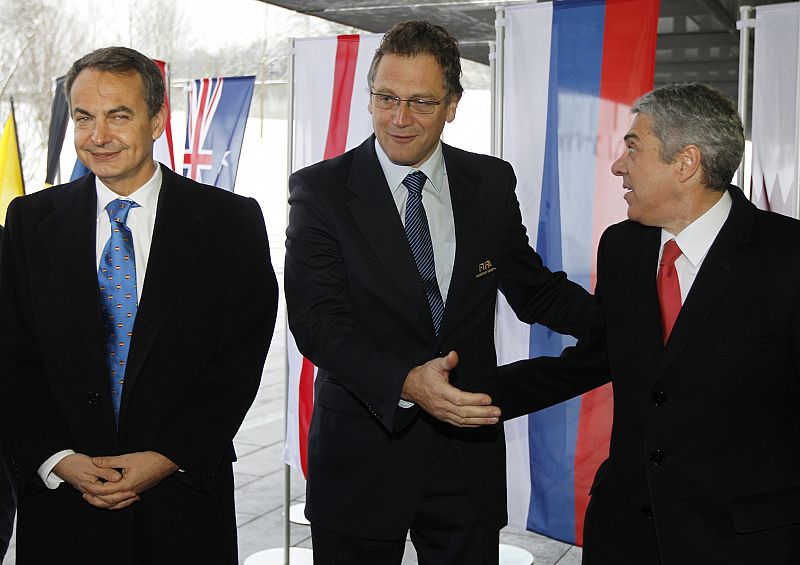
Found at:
[767, 510]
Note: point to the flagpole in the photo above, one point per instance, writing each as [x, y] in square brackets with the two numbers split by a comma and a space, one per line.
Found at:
[744, 25]
[16, 140]
[509, 554]
[796, 122]
[499, 53]
[287, 475]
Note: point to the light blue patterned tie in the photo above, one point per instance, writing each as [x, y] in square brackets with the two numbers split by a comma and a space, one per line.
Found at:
[419, 239]
[118, 298]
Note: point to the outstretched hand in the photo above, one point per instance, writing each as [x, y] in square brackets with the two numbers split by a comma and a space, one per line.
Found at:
[429, 387]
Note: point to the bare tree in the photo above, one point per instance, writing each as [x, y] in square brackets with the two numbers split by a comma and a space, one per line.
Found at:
[39, 41]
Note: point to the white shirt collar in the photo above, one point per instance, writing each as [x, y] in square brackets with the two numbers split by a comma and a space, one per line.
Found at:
[696, 239]
[146, 196]
[433, 168]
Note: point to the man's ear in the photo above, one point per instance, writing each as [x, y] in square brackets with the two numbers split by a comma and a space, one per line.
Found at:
[688, 161]
[159, 122]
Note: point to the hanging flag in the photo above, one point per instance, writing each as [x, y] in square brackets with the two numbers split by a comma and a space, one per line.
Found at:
[572, 70]
[217, 116]
[11, 182]
[59, 118]
[776, 117]
[331, 117]
[162, 148]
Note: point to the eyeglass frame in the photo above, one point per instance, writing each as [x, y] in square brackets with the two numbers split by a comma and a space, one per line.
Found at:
[432, 103]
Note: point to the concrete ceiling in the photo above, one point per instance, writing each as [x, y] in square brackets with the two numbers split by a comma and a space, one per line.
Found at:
[697, 39]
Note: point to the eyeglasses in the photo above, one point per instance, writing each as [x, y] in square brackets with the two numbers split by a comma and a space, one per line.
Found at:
[417, 105]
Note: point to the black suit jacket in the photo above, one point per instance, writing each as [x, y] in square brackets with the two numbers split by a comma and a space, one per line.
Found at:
[201, 334]
[358, 311]
[704, 464]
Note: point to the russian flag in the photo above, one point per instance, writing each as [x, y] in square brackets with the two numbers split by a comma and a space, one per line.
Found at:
[573, 68]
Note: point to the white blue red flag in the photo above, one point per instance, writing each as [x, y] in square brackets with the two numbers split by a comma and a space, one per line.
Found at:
[572, 70]
[330, 110]
[217, 116]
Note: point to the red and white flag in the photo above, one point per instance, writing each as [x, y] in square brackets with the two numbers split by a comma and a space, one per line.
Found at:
[162, 148]
[331, 117]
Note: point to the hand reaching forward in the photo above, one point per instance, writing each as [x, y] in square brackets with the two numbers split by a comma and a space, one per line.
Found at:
[139, 472]
[428, 386]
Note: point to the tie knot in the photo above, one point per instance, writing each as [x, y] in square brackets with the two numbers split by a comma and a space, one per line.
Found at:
[415, 181]
[670, 254]
[118, 210]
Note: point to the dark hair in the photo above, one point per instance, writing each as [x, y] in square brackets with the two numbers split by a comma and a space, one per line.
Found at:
[122, 60]
[696, 114]
[411, 39]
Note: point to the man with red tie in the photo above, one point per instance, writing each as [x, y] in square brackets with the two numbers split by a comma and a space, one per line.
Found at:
[701, 297]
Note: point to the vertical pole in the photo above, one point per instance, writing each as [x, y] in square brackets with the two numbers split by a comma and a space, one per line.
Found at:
[500, 34]
[289, 166]
[744, 72]
[16, 141]
[797, 125]
[493, 88]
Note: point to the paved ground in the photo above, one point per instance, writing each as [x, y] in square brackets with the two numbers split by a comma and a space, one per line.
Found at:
[260, 471]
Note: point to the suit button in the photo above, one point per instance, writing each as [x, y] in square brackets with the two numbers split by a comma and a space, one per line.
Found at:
[657, 457]
[658, 398]
[93, 398]
[374, 412]
[647, 512]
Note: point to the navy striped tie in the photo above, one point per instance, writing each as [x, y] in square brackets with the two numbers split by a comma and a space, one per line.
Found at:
[419, 239]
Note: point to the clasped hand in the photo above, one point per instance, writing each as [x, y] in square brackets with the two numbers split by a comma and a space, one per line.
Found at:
[429, 387]
[114, 482]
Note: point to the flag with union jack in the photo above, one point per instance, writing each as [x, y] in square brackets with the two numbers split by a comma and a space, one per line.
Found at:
[217, 116]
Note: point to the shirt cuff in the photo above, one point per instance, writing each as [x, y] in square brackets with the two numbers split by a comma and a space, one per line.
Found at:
[405, 404]
[45, 472]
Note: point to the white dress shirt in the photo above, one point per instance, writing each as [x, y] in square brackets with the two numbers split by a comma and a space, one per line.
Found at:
[438, 210]
[437, 204]
[695, 240]
[141, 221]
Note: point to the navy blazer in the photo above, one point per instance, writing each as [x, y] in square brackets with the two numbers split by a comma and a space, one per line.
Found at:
[357, 309]
[704, 465]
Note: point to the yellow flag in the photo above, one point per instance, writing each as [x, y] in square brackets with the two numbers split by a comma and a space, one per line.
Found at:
[10, 168]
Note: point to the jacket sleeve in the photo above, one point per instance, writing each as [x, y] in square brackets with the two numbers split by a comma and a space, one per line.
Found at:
[532, 384]
[203, 426]
[320, 316]
[30, 421]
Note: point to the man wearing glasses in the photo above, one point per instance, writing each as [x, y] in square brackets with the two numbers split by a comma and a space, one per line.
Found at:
[395, 253]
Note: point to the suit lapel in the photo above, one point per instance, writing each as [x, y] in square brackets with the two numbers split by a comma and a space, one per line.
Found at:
[68, 235]
[375, 213]
[467, 190]
[644, 268]
[719, 270]
[182, 221]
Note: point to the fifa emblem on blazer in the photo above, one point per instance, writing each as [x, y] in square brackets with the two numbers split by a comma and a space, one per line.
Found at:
[484, 268]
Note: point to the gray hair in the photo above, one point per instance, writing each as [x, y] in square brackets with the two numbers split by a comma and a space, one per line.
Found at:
[696, 114]
[121, 61]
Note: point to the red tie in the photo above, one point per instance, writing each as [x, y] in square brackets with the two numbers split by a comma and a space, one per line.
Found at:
[669, 287]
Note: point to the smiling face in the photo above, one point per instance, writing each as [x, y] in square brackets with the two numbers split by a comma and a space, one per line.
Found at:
[406, 137]
[114, 134]
[654, 193]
